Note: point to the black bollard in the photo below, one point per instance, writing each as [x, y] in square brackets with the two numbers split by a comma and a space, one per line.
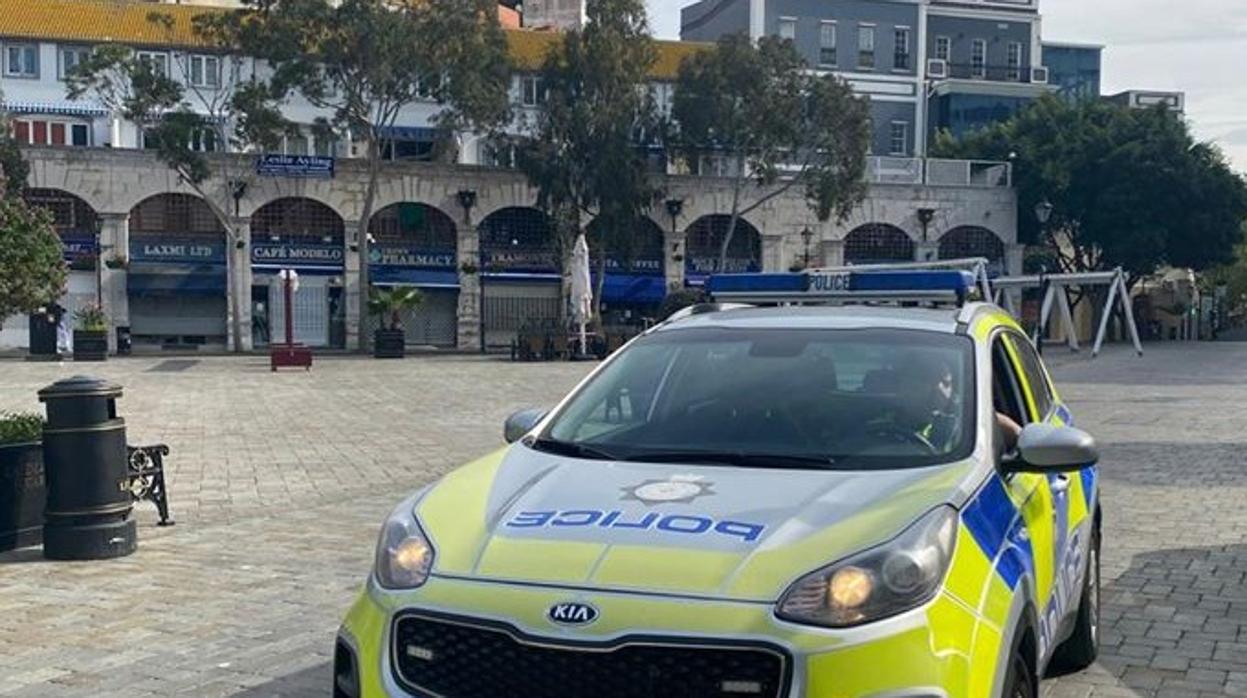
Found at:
[85, 461]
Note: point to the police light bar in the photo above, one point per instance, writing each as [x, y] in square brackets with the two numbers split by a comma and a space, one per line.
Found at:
[827, 285]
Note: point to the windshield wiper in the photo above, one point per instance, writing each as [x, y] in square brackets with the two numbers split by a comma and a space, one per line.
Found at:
[571, 448]
[739, 459]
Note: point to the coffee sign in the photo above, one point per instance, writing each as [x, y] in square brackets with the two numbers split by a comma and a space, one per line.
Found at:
[297, 255]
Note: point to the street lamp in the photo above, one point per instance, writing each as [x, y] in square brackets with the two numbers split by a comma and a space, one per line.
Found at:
[806, 236]
[925, 216]
[1043, 212]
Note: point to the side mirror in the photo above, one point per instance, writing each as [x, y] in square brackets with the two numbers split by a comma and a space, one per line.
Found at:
[1044, 448]
[520, 423]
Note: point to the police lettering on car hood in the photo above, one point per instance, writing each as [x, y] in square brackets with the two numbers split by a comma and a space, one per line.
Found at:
[524, 515]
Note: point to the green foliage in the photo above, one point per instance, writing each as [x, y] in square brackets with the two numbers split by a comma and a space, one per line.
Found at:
[20, 428]
[678, 299]
[389, 303]
[778, 124]
[1129, 188]
[32, 266]
[585, 151]
[91, 318]
[13, 167]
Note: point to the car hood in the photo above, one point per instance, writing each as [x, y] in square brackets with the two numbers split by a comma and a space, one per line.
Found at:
[525, 516]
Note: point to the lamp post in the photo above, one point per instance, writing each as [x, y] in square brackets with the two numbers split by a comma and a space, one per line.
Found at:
[1043, 213]
[925, 216]
[806, 236]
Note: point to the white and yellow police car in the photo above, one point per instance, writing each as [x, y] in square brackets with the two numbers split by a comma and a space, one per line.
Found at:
[815, 501]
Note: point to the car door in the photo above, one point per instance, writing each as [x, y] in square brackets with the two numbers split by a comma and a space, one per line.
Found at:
[1031, 493]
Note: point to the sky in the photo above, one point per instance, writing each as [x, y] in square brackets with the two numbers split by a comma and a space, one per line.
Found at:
[1196, 46]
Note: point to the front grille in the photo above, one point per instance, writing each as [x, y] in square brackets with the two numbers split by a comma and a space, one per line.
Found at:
[453, 658]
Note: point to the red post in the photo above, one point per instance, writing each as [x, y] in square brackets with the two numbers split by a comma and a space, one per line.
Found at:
[289, 317]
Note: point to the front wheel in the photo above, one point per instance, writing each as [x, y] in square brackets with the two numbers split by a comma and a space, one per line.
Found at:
[1083, 646]
[1019, 683]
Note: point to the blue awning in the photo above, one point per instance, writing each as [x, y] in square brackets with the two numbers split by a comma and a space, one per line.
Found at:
[58, 108]
[634, 288]
[426, 278]
[190, 283]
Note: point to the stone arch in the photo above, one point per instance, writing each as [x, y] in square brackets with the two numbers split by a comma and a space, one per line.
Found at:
[297, 219]
[518, 238]
[972, 241]
[878, 243]
[170, 213]
[416, 224]
[704, 239]
[641, 252]
[76, 223]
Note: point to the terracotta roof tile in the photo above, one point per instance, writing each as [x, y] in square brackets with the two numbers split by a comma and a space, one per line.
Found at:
[125, 21]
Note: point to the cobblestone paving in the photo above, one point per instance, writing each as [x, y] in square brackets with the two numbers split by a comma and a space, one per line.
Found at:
[279, 483]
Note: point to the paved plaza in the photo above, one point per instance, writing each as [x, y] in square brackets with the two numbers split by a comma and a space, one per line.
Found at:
[279, 483]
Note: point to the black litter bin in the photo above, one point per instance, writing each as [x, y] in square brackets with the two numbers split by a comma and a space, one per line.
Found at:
[43, 333]
[86, 467]
[123, 341]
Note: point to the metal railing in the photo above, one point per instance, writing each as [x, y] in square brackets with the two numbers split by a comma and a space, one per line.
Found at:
[980, 174]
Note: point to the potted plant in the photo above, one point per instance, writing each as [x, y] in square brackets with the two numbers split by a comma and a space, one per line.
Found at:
[468, 267]
[117, 262]
[22, 486]
[91, 334]
[387, 305]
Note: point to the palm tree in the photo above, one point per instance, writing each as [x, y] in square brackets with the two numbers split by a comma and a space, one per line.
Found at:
[390, 303]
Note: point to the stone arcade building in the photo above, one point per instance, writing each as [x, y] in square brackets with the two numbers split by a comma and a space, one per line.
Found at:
[468, 236]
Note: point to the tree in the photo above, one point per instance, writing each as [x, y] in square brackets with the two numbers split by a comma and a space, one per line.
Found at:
[184, 119]
[584, 153]
[364, 61]
[1129, 188]
[32, 266]
[775, 124]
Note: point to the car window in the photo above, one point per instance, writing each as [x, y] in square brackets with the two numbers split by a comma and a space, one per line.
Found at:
[1036, 378]
[852, 398]
[1007, 396]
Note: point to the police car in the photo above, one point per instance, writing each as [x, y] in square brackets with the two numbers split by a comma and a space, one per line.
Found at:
[817, 499]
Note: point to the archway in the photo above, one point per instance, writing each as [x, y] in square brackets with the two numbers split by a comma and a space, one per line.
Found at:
[76, 223]
[177, 279]
[878, 243]
[974, 241]
[521, 276]
[704, 240]
[415, 244]
[309, 237]
[634, 282]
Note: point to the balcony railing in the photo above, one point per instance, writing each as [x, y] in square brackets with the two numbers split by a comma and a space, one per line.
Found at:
[990, 73]
[979, 174]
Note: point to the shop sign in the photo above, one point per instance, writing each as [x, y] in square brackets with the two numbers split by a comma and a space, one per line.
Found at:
[710, 265]
[296, 255]
[521, 260]
[636, 266]
[78, 247]
[172, 250]
[302, 166]
[386, 255]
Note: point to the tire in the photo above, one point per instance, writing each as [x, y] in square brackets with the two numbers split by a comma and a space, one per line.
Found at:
[1083, 646]
[1019, 682]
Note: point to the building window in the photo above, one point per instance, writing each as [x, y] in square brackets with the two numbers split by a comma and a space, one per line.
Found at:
[788, 28]
[1015, 61]
[205, 71]
[943, 48]
[71, 57]
[827, 44]
[866, 46]
[21, 61]
[48, 132]
[900, 58]
[978, 59]
[159, 61]
[898, 138]
[532, 91]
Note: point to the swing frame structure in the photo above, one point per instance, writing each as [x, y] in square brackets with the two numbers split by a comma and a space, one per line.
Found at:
[1056, 296]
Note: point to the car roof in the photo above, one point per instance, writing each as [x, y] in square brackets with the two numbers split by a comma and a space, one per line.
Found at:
[944, 320]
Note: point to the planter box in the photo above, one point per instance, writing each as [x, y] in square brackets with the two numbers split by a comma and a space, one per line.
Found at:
[90, 345]
[389, 344]
[23, 494]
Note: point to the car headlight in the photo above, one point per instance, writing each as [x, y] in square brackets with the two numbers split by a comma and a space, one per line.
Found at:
[892, 578]
[404, 553]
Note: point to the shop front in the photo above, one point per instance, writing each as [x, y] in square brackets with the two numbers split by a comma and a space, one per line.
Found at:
[318, 313]
[704, 248]
[415, 244]
[176, 289]
[521, 285]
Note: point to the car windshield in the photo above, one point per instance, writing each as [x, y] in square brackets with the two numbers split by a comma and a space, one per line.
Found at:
[828, 399]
